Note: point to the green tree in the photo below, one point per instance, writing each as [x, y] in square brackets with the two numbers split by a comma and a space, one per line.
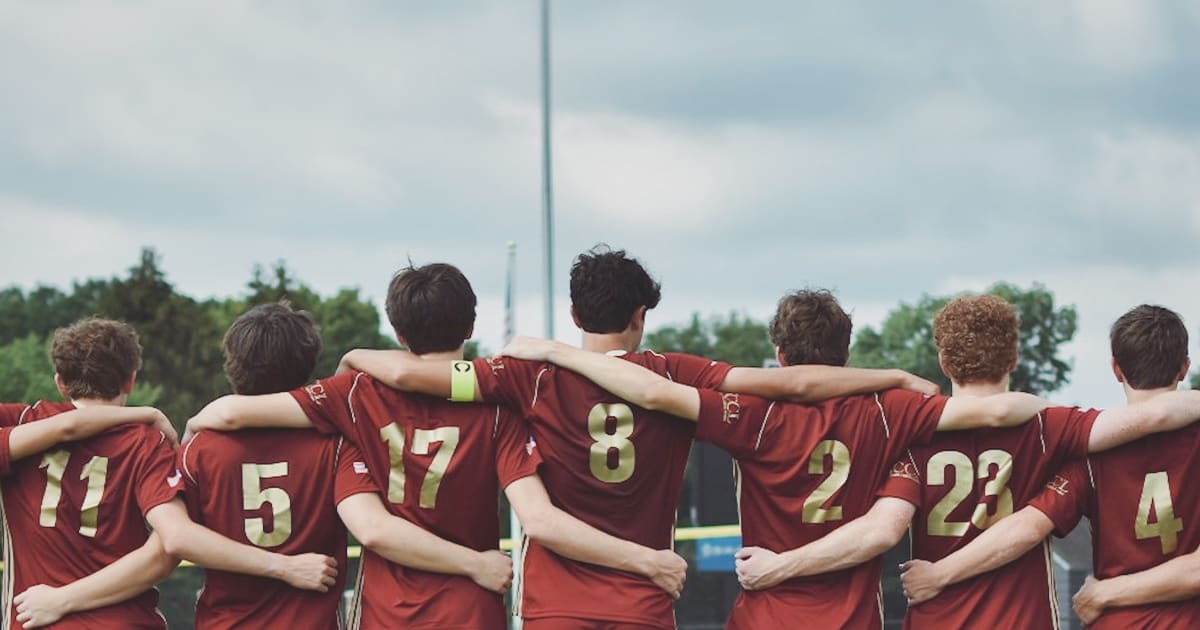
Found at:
[1196, 380]
[905, 340]
[27, 375]
[735, 339]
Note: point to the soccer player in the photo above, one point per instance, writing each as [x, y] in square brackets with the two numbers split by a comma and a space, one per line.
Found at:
[613, 465]
[1143, 519]
[440, 464]
[963, 482]
[801, 468]
[86, 510]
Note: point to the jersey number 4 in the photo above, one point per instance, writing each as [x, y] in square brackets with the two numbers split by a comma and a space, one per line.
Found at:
[1156, 498]
[96, 473]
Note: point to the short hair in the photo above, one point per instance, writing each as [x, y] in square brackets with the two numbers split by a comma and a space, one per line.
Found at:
[95, 357]
[608, 287]
[432, 307]
[810, 328]
[1150, 345]
[271, 348]
[977, 338]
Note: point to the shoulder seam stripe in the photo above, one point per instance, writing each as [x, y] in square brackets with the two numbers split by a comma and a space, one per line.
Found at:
[887, 431]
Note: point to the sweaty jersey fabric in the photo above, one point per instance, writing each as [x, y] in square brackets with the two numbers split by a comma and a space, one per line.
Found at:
[962, 483]
[276, 489]
[803, 471]
[80, 507]
[438, 465]
[1143, 513]
[5, 452]
[613, 465]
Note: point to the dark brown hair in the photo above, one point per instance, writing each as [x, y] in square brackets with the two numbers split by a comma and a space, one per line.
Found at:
[977, 338]
[810, 327]
[432, 307]
[608, 287]
[271, 348]
[95, 358]
[1150, 345]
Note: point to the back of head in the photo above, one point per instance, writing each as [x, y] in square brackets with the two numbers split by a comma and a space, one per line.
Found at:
[810, 328]
[1150, 345]
[271, 348]
[977, 337]
[608, 287]
[96, 358]
[431, 307]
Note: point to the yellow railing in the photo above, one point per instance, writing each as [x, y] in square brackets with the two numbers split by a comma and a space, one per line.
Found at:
[685, 533]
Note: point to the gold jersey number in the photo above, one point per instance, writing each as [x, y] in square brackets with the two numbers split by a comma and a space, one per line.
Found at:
[96, 474]
[1156, 498]
[965, 474]
[254, 496]
[423, 440]
[604, 442]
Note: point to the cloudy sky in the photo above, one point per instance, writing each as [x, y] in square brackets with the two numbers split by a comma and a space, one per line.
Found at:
[740, 149]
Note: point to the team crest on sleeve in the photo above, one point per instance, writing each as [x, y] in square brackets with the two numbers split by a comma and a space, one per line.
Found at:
[316, 393]
[905, 469]
[496, 363]
[1060, 485]
[732, 404]
[530, 445]
[174, 480]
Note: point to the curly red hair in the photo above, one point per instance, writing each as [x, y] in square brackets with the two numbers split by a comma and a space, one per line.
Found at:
[977, 338]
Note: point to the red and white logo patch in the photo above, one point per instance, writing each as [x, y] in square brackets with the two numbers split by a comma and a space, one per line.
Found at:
[316, 393]
[530, 445]
[360, 468]
[1060, 485]
[174, 480]
[906, 470]
[733, 408]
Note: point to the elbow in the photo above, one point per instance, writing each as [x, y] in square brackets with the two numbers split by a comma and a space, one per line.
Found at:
[657, 396]
[537, 526]
[174, 544]
[70, 430]
[881, 539]
[367, 537]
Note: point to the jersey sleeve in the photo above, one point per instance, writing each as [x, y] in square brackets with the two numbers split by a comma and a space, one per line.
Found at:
[187, 462]
[696, 371]
[352, 475]
[5, 453]
[733, 422]
[10, 414]
[1071, 429]
[903, 481]
[158, 480]
[1064, 499]
[507, 381]
[911, 417]
[327, 403]
[517, 456]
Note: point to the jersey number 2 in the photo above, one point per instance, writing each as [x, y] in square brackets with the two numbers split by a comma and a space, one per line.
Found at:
[96, 473]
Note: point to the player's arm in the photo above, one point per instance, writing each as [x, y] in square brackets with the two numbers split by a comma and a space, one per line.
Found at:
[572, 538]
[626, 380]
[813, 383]
[1165, 412]
[235, 412]
[132, 574]
[998, 410]
[1172, 581]
[35, 437]
[402, 370]
[186, 539]
[404, 543]
[852, 544]
[1005, 541]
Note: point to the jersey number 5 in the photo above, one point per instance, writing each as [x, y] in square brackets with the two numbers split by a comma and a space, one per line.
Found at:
[1156, 497]
[96, 473]
[254, 496]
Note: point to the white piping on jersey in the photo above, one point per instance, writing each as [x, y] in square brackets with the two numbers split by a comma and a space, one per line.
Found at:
[496, 424]
[26, 411]
[1042, 431]
[737, 488]
[887, 431]
[519, 595]
[355, 620]
[9, 569]
[186, 451]
[537, 385]
[1091, 477]
[879, 602]
[350, 397]
[1055, 613]
[763, 428]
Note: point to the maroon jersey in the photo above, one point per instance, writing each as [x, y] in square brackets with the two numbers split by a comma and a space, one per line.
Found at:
[1142, 513]
[279, 490]
[962, 483]
[77, 509]
[803, 471]
[439, 464]
[615, 466]
[5, 453]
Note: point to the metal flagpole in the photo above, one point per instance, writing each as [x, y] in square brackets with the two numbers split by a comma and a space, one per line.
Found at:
[514, 525]
[547, 175]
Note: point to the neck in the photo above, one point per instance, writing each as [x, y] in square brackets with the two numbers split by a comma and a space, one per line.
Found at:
[1133, 396]
[453, 355]
[607, 342]
[80, 403]
[979, 390]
